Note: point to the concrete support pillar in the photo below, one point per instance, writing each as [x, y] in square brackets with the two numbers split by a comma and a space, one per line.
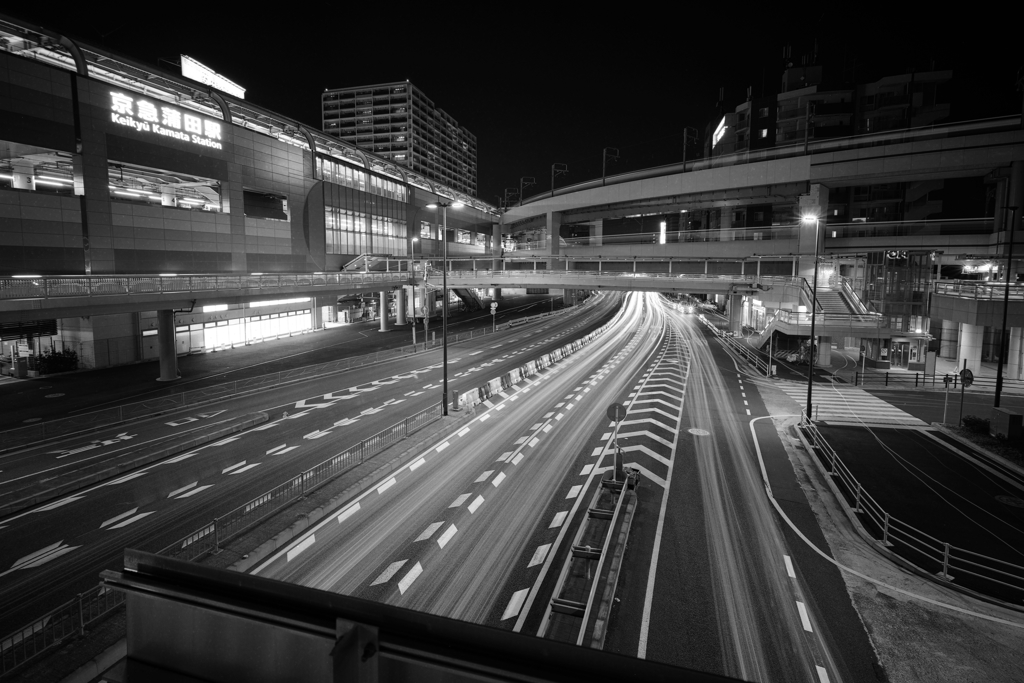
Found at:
[597, 233]
[383, 308]
[824, 358]
[400, 301]
[949, 341]
[971, 339]
[166, 345]
[725, 224]
[318, 312]
[814, 203]
[736, 313]
[496, 247]
[552, 229]
[1013, 357]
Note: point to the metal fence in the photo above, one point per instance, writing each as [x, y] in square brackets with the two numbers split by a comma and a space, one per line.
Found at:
[69, 620]
[229, 525]
[982, 573]
[921, 380]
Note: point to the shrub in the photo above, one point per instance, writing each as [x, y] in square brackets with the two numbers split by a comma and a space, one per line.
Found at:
[57, 361]
[978, 425]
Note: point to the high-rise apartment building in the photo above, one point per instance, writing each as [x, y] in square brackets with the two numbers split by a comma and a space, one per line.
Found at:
[398, 122]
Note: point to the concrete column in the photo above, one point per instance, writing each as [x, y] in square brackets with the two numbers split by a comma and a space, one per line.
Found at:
[552, 230]
[318, 312]
[400, 300]
[725, 224]
[383, 308]
[949, 341]
[166, 345]
[824, 358]
[1013, 356]
[971, 339]
[597, 233]
[496, 248]
[736, 313]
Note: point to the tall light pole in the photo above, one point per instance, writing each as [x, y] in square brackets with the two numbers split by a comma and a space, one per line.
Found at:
[809, 218]
[1004, 345]
[412, 273]
[444, 293]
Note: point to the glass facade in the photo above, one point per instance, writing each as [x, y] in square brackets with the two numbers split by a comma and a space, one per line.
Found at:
[364, 213]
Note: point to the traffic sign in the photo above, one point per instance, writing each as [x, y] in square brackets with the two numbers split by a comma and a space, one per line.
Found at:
[967, 376]
[616, 411]
[494, 306]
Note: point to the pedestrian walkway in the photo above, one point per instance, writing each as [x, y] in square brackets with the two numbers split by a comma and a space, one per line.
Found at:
[841, 404]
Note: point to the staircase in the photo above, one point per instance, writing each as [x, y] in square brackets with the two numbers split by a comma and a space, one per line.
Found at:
[470, 298]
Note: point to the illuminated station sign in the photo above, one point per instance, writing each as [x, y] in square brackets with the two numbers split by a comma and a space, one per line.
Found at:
[150, 116]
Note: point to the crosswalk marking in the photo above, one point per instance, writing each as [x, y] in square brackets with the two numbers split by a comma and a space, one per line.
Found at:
[840, 404]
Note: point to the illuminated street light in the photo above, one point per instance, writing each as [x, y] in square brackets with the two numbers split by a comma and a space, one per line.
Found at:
[444, 290]
[811, 218]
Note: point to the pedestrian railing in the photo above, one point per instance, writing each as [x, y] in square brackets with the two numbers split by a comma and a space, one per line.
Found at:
[921, 380]
[985, 574]
[56, 626]
[743, 349]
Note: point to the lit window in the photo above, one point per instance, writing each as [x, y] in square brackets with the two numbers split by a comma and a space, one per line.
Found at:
[764, 133]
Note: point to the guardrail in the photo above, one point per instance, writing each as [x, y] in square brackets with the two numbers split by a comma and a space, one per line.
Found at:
[222, 529]
[979, 290]
[744, 350]
[67, 621]
[920, 548]
[921, 380]
[20, 436]
[46, 287]
[968, 226]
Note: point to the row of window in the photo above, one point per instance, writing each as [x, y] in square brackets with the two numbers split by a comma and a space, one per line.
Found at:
[355, 232]
[347, 176]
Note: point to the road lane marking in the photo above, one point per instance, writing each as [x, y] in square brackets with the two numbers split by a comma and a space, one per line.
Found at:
[547, 415]
[460, 500]
[586, 470]
[515, 460]
[547, 428]
[789, 566]
[407, 580]
[306, 542]
[386, 485]
[535, 427]
[179, 458]
[121, 516]
[515, 604]
[477, 502]
[447, 536]
[539, 555]
[504, 456]
[558, 519]
[417, 464]
[597, 451]
[127, 477]
[276, 449]
[521, 440]
[559, 416]
[822, 674]
[228, 469]
[485, 417]
[574, 491]
[534, 441]
[429, 531]
[803, 617]
[441, 447]
[194, 491]
[131, 520]
[463, 431]
[41, 557]
[245, 469]
[386, 575]
[483, 477]
[184, 488]
[348, 512]
[59, 503]
[498, 479]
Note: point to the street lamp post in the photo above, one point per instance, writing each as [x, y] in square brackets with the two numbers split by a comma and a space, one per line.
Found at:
[1004, 345]
[814, 308]
[412, 269]
[444, 295]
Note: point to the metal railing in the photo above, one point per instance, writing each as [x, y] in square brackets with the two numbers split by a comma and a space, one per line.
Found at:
[921, 380]
[47, 287]
[223, 528]
[969, 289]
[743, 349]
[967, 226]
[864, 320]
[925, 551]
[53, 628]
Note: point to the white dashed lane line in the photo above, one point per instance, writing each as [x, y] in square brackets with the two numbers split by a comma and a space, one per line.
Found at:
[429, 531]
[460, 500]
[386, 575]
[447, 536]
[558, 519]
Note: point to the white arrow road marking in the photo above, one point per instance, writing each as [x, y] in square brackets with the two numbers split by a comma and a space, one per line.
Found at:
[317, 434]
[226, 441]
[386, 575]
[515, 604]
[407, 580]
[429, 531]
[182, 421]
[347, 421]
[184, 488]
[286, 450]
[228, 469]
[41, 557]
[59, 503]
[132, 520]
[215, 413]
[303, 404]
[447, 536]
[194, 491]
[276, 448]
[246, 468]
[179, 458]
[122, 516]
[371, 411]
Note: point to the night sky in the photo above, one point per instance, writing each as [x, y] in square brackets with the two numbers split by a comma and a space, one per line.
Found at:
[539, 86]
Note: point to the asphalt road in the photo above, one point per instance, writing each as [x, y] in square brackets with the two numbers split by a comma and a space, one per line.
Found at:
[52, 551]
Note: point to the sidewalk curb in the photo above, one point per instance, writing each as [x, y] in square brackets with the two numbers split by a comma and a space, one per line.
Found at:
[979, 449]
[881, 549]
[99, 664]
[102, 473]
[367, 482]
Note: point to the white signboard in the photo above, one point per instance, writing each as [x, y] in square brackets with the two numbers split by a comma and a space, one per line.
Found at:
[146, 115]
[197, 71]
